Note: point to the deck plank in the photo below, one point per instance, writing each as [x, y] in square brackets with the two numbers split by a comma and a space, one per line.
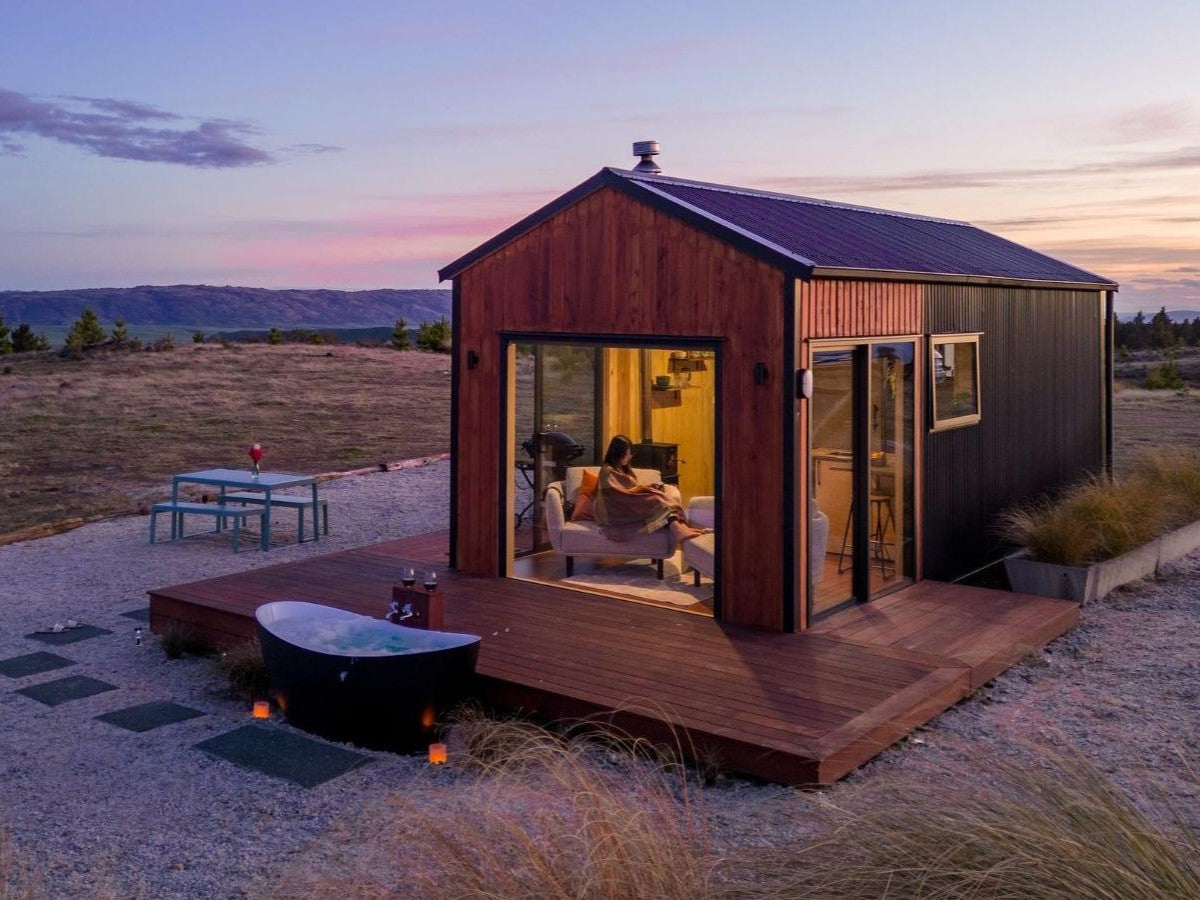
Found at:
[795, 708]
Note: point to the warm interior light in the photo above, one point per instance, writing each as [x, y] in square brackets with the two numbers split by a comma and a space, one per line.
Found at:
[262, 709]
[437, 754]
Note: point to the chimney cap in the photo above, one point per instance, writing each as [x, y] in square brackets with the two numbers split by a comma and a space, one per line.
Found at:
[647, 150]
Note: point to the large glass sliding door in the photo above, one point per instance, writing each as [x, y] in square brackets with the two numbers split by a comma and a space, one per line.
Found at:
[861, 474]
[566, 402]
[557, 418]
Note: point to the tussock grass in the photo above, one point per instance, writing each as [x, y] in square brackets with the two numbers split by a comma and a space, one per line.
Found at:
[530, 813]
[1172, 474]
[178, 638]
[1101, 518]
[1060, 829]
[524, 812]
[16, 881]
[244, 666]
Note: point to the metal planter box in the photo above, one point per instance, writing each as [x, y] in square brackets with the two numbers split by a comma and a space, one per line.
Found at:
[1085, 584]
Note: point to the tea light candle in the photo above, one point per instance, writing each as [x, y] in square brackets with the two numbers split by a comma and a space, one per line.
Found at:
[262, 709]
[437, 754]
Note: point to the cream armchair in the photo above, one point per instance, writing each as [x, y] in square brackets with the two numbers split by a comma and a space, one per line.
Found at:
[585, 538]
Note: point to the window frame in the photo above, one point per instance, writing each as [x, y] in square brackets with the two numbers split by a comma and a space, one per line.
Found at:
[936, 424]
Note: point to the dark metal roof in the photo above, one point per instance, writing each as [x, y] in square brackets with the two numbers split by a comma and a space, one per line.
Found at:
[812, 237]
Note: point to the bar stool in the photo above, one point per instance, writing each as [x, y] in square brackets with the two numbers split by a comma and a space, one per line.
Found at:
[882, 517]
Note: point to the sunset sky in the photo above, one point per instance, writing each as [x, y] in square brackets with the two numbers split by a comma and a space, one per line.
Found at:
[365, 144]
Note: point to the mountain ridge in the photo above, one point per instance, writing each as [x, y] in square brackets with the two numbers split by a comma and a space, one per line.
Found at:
[210, 306]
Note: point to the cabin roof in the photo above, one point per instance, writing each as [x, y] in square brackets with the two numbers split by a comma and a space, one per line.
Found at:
[809, 237]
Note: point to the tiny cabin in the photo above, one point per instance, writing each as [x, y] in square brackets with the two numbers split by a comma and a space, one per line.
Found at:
[846, 396]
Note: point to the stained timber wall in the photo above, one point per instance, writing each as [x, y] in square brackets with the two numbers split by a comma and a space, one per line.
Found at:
[609, 266]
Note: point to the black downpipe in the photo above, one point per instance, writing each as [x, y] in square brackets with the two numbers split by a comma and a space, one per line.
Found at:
[455, 376]
[860, 505]
[1109, 341]
[788, 389]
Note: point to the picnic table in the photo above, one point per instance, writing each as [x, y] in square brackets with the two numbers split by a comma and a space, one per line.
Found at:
[243, 480]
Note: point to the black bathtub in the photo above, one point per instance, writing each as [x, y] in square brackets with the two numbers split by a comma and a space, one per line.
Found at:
[353, 678]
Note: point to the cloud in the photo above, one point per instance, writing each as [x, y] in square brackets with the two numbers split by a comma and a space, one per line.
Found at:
[1027, 222]
[1178, 160]
[314, 149]
[121, 129]
[1147, 122]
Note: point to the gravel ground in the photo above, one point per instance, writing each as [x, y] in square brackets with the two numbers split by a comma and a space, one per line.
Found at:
[94, 808]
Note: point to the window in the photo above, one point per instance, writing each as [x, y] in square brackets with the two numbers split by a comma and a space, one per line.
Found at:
[954, 379]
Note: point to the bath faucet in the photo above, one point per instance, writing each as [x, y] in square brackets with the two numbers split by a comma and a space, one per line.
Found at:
[397, 613]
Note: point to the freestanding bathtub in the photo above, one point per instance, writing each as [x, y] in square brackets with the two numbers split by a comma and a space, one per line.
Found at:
[353, 678]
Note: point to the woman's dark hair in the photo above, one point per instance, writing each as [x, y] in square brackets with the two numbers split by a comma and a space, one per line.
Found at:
[617, 448]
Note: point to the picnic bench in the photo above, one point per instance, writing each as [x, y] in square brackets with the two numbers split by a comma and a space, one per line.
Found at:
[220, 511]
[298, 502]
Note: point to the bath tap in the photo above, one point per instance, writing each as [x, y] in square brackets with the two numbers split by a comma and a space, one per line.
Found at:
[397, 613]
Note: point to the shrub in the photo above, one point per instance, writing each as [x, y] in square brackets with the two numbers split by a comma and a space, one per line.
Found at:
[120, 334]
[400, 338]
[25, 341]
[197, 337]
[86, 330]
[6, 344]
[1165, 377]
[163, 344]
[246, 670]
[274, 336]
[434, 336]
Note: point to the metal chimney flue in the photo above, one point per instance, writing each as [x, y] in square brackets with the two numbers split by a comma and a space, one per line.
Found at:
[647, 150]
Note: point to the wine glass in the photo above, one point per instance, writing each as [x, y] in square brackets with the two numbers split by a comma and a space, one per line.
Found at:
[408, 577]
[430, 581]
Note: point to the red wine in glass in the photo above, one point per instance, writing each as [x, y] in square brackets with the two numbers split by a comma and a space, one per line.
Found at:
[430, 581]
[408, 578]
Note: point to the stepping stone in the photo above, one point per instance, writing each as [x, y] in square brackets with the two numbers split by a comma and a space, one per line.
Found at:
[33, 664]
[280, 754]
[148, 716]
[138, 615]
[73, 687]
[70, 636]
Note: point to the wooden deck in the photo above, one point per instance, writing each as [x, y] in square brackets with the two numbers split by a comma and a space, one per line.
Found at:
[801, 708]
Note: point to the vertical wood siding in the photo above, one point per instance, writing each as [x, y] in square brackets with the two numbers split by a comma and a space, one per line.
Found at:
[840, 308]
[1041, 398]
[609, 265]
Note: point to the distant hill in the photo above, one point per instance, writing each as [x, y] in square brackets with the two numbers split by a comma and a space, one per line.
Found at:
[206, 306]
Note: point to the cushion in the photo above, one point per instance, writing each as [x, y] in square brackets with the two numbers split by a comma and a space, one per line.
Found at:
[589, 484]
[583, 505]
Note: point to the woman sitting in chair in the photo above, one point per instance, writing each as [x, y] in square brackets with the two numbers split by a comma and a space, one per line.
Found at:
[624, 508]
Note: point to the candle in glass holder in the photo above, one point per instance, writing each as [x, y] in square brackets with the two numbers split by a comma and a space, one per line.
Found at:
[262, 709]
[437, 754]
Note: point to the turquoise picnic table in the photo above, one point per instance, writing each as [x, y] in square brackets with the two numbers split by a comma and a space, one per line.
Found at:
[240, 479]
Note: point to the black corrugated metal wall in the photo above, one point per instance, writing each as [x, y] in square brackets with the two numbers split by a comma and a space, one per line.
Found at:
[1042, 402]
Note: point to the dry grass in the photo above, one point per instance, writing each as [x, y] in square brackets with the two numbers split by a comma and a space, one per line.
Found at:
[530, 814]
[1057, 830]
[244, 666]
[524, 812]
[16, 882]
[178, 638]
[1103, 518]
[105, 434]
[1173, 475]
